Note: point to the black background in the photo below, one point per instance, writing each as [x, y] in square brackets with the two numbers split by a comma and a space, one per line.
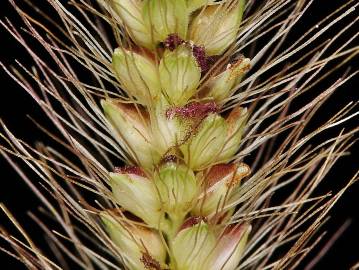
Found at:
[15, 105]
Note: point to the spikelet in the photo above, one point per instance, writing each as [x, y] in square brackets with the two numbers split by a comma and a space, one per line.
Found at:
[184, 115]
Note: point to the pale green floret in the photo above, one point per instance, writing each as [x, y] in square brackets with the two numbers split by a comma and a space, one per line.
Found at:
[177, 187]
[205, 145]
[179, 75]
[134, 241]
[137, 195]
[168, 132]
[130, 13]
[214, 196]
[199, 248]
[131, 132]
[211, 201]
[192, 246]
[236, 123]
[137, 74]
[165, 17]
[216, 27]
[229, 249]
[222, 86]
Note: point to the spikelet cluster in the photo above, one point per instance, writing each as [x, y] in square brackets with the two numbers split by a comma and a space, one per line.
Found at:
[162, 134]
[180, 183]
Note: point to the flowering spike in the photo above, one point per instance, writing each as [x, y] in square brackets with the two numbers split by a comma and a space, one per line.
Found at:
[177, 136]
[216, 27]
[180, 200]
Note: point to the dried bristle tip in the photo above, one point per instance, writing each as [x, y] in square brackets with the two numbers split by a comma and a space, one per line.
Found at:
[130, 170]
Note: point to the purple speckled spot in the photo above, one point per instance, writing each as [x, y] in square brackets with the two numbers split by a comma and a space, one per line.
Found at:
[173, 41]
[193, 110]
[199, 52]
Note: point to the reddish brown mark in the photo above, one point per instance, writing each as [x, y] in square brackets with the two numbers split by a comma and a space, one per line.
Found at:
[149, 262]
[218, 172]
[192, 110]
[130, 170]
[190, 222]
